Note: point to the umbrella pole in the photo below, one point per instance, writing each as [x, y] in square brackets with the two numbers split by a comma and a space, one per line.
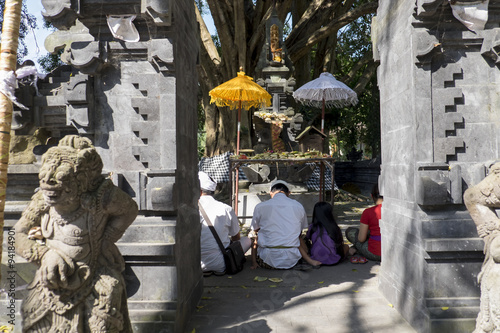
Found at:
[237, 168]
[322, 167]
[239, 128]
[323, 116]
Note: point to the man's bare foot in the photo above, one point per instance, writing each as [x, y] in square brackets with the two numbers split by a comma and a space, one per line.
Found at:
[352, 251]
[313, 262]
[316, 263]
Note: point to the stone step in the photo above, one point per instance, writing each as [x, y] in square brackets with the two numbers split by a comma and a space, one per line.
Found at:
[456, 319]
[453, 312]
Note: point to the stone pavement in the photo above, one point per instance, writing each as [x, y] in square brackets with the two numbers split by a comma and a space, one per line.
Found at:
[332, 299]
[336, 299]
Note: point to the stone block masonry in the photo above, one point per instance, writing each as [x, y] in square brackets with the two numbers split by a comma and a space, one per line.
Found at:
[135, 101]
[438, 86]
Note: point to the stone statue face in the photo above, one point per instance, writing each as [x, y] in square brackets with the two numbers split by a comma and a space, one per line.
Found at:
[58, 183]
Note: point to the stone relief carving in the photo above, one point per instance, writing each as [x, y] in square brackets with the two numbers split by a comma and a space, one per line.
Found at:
[481, 201]
[159, 10]
[428, 7]
[491, 46]
[60, 13]
[69, 229]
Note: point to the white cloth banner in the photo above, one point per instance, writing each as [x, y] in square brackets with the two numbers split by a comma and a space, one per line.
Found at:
[472, 14]
[122, 28]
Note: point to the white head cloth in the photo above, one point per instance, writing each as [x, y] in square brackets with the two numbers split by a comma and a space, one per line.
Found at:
[8, 82]
[206, 183]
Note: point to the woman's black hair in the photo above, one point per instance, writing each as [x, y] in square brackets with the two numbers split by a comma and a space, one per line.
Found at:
[280, 187]
[375, 192]
[324, 221]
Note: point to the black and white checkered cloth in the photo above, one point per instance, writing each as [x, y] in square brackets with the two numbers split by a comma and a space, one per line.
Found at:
[217, 167]
[314, 181]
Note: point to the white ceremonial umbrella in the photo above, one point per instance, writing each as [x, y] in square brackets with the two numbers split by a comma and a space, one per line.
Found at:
[321, 92]
[325, 91]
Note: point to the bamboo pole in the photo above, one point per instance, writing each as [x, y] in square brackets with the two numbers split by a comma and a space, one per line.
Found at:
[8, 63]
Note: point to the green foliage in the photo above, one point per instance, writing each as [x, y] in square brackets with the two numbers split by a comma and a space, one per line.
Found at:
[353, 42]
[287, 26]
[351, 126]
[28, 23]
[202, 135]
[202, 6]
[202, 140]
[50, 61]
[217, 44]
[361, 123]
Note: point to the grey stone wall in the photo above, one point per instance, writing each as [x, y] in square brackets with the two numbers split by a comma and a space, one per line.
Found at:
[440, 130]
[137, 102]
[364, 174]
[187, 241]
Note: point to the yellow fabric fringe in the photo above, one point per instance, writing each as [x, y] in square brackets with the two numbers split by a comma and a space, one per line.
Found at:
[240, 89]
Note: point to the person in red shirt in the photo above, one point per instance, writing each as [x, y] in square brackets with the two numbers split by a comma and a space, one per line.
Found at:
[367, 239]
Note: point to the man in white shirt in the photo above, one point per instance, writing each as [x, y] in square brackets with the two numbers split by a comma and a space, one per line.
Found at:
[225, 223]
[278, 224]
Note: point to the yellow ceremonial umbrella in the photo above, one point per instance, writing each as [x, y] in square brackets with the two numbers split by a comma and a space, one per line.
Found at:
[240, 92]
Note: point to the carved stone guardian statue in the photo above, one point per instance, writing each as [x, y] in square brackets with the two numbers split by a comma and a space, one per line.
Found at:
[481, 201]
[69, 229]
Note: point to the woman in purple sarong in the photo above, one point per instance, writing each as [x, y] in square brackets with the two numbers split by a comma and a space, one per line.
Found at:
[325, 237]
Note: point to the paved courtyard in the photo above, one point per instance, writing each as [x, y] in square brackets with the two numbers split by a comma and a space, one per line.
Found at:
[336, 299]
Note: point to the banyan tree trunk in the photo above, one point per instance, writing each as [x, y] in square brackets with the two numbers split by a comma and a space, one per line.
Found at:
[8, 61]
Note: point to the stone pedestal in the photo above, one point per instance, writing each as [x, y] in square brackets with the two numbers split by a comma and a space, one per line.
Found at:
[439, 94]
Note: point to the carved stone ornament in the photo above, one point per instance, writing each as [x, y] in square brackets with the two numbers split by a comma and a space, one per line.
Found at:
[481, 201]
[69, 229]
[61, 13]
[428, 7]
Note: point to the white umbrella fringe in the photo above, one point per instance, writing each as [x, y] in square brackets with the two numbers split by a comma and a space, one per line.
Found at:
[326, 88]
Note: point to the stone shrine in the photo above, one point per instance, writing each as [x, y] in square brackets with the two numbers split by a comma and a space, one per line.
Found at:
[438, 79]
[128, 87]
[276, 126]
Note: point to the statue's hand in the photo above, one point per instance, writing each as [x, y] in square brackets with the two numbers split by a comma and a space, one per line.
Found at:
[54, 270]
[111, 256]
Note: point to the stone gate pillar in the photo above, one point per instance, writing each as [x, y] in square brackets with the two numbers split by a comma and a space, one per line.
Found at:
[439, 88]
[134, 94]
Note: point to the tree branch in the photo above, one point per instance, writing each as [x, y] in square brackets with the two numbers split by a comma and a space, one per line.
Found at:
[349, 77]
[259, 34]
[310, 11]
[240, 32]
[302, 47]
[225, 28]
[366, 77]
[206, 39]
[313, 18]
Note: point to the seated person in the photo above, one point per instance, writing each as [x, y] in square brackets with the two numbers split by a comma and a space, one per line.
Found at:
[225, 223]
[277, 224]
[325, 237]
[367, 238]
